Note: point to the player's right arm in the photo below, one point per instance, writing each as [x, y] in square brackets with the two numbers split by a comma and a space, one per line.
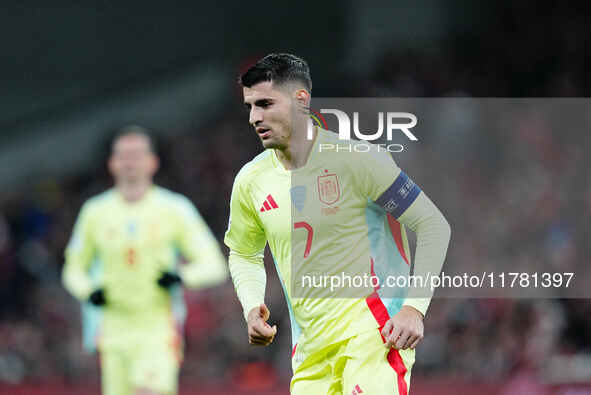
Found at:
[79, 254]
[388, 186]
[246, 239]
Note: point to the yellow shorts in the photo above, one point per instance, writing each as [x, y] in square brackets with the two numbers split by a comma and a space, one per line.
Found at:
[355, 366]
[144, 364]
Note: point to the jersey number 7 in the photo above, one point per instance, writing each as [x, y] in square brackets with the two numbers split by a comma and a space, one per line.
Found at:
[310, 231]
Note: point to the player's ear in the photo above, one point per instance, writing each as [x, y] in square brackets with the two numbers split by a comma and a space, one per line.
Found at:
[155, 164]
[302, 101]
[111, 165]
[302, 96]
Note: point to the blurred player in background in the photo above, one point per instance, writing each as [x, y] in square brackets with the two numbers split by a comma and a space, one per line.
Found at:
[341, 345]
[122, 263]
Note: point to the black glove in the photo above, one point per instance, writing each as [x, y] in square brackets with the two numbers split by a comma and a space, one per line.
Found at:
[168, 279]
[97, 297]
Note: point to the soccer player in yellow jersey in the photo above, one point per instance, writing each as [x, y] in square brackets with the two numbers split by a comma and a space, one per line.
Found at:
[122, 263]
[328, 212]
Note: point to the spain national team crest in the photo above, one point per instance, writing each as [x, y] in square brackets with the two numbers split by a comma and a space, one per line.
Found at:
[328, 188]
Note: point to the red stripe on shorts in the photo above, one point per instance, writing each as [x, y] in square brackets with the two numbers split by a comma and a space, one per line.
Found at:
[398, 365]
[380, 313]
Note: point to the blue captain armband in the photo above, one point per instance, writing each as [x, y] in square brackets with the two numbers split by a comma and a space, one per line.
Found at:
[399, 196]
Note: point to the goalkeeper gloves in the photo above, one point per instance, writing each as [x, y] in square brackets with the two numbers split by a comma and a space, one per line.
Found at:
[168, 279]
[97, 297]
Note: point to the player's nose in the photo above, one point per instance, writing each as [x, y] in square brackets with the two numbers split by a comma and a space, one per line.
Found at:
[255, 117]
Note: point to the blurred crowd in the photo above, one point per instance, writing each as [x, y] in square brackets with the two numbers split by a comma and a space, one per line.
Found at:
[522, 196]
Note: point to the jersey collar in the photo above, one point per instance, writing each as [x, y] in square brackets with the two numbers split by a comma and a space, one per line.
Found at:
[138, 203]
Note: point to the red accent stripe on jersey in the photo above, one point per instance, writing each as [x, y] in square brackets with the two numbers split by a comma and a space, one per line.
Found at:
[272, 201]
[395, 228]
[266, 205]
[380, 313]
[294, 350]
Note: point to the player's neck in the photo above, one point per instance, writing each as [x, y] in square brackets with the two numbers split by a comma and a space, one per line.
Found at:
[133, 192]
[297, 153]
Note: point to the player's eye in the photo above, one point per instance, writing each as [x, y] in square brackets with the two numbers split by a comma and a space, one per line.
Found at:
[263, 103]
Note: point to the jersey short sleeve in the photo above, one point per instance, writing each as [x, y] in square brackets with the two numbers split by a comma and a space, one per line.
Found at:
[245, 233]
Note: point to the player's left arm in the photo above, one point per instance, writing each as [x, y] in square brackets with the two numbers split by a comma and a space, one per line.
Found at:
[206, 265]
[405, 329]
[392, 189]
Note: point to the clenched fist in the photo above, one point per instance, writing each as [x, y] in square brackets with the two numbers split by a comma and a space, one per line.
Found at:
[259, 332]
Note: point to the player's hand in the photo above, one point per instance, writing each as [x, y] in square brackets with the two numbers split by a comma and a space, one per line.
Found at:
[97, 297]
[259, 332]
[168, 279]
[405, 329]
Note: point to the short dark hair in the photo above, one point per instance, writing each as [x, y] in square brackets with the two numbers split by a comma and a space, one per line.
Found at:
[136, 130]
[278, 68]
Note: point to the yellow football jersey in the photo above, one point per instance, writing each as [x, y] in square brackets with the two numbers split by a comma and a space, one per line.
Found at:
[124, 247]
[322, 219]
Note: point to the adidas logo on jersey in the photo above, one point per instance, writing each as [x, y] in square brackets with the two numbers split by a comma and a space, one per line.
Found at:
[269, 204]
[357, 390]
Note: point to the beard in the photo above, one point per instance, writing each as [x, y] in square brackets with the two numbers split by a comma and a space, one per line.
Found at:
[273, 143]
[279, 139]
